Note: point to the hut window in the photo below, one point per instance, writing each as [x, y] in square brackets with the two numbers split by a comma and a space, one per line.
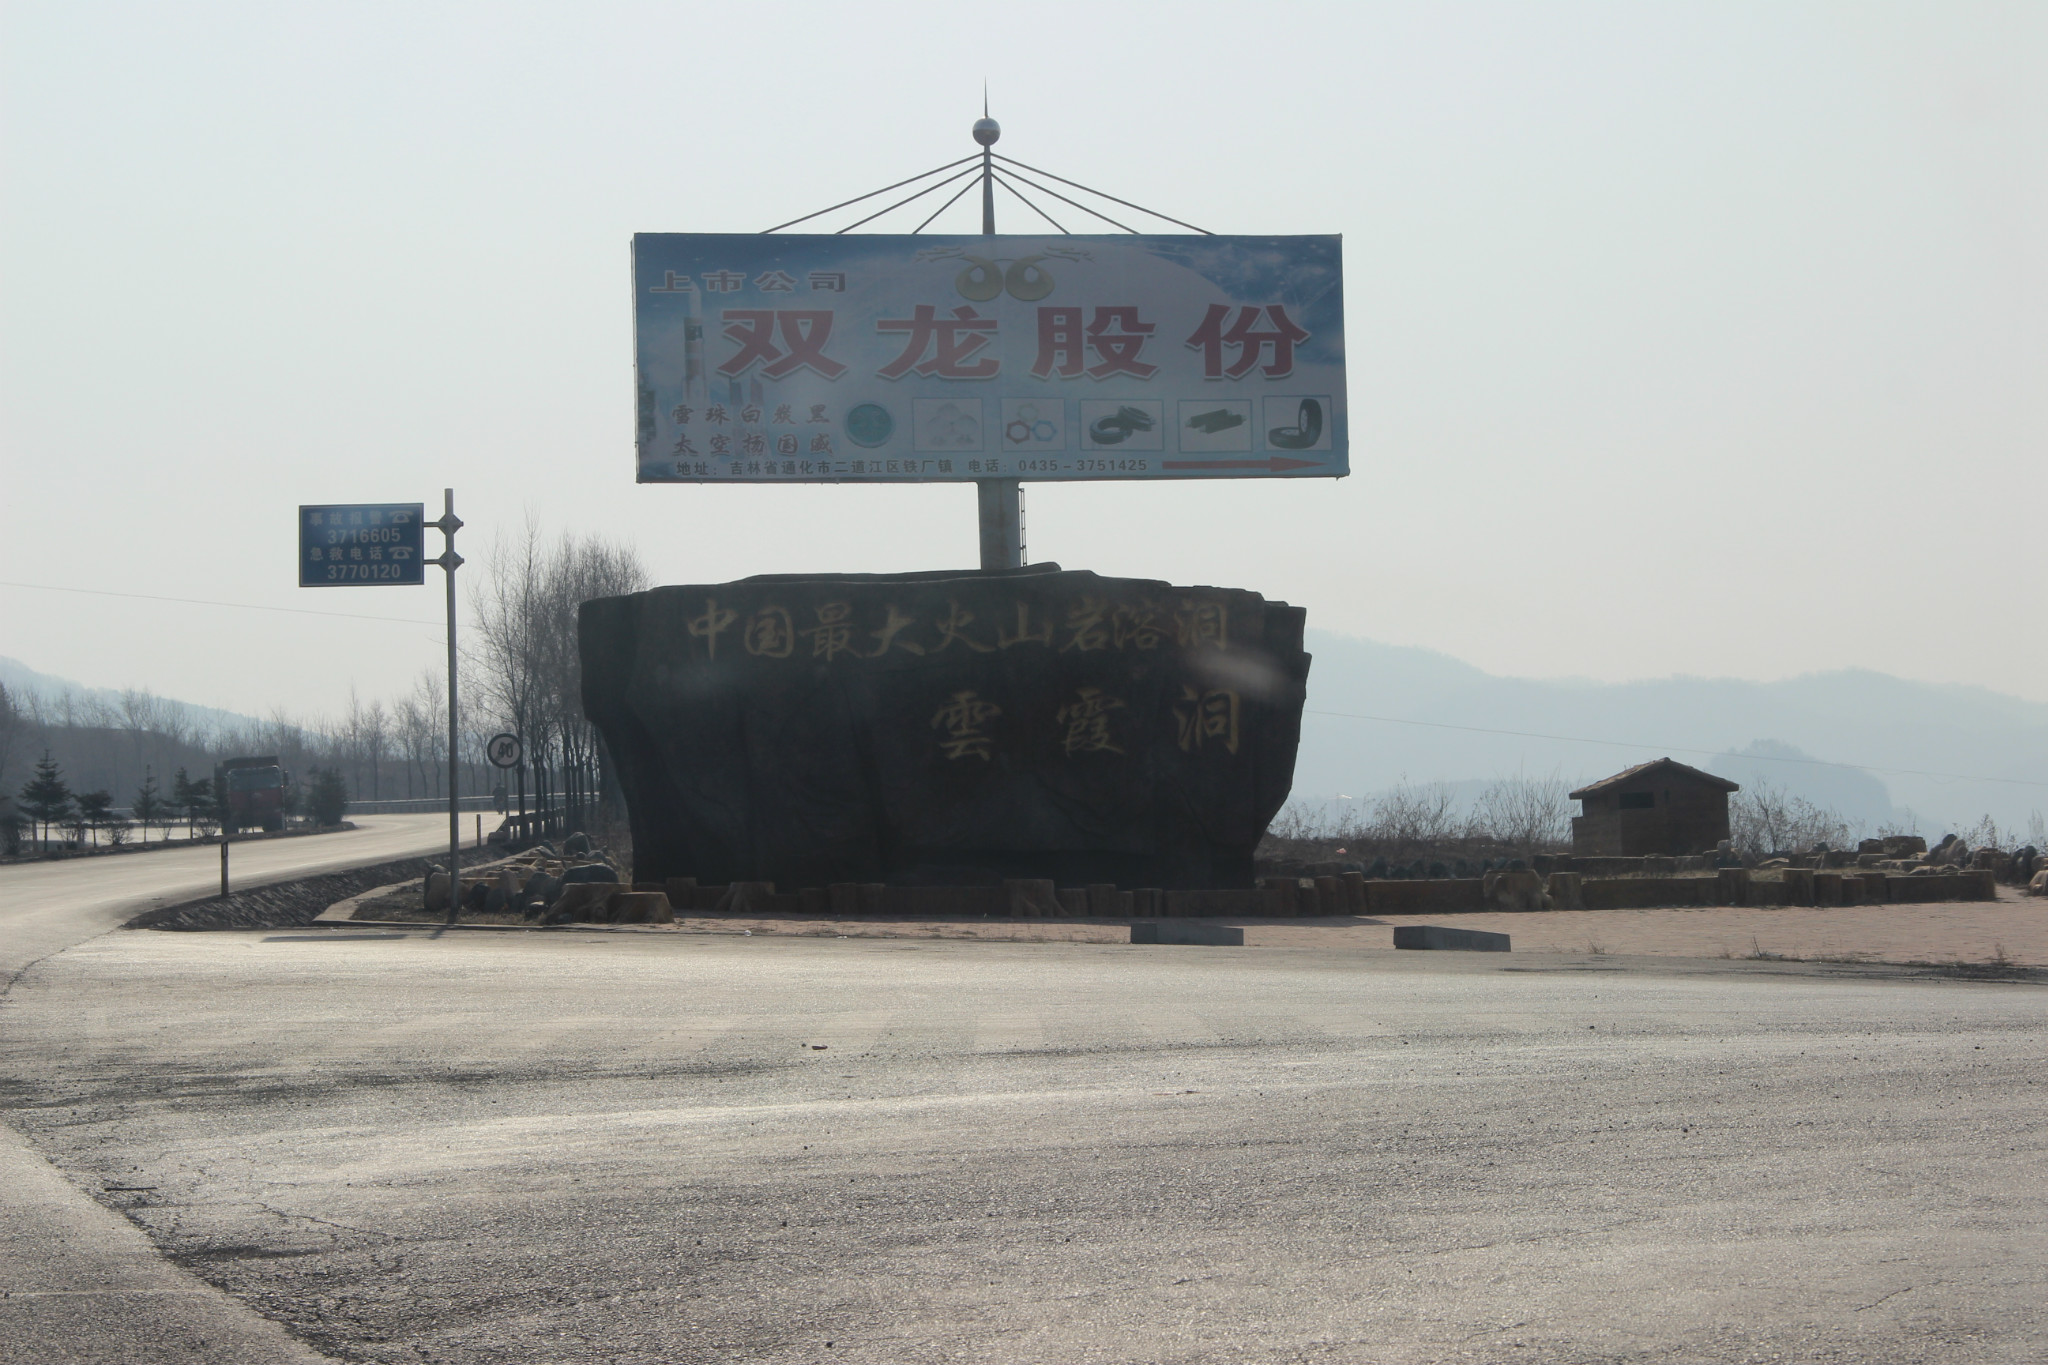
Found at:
[1636, 800]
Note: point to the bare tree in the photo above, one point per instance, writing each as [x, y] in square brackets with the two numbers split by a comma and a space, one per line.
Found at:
[526, 666]
[427, 735]
[376, 738]
[1764, 819]
[1526, 812]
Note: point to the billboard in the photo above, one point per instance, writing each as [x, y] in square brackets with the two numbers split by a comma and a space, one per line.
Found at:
[770, 358]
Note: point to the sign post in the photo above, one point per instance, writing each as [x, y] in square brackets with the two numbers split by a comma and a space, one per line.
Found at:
[450, 561]
[505, 751]
[380, 544]
[998, 503]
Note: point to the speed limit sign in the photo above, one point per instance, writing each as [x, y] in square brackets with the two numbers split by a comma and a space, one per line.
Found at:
[504, 750]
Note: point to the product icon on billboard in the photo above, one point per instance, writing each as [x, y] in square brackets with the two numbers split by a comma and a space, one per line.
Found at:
[1119, 425]
[946, 424]
[1034, 424]
[1214, 426]
[1297, 424]
[870, 425]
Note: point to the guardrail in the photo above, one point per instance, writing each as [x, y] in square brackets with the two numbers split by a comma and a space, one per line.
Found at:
[426, 805]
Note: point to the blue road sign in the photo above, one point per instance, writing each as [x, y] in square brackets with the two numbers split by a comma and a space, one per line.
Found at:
[362, 544]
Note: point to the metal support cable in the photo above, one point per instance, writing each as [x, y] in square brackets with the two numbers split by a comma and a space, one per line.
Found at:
[1004, 182]
[1047, 189]
[872, 193]
[1112, 198]
[935, 185]
[942, 208]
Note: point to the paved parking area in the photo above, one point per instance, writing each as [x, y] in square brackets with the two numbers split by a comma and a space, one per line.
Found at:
[662, 1147]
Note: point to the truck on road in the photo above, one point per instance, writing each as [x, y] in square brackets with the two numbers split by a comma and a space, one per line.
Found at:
[252, 793]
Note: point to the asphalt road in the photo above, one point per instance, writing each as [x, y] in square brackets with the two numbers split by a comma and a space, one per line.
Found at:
[78, 1283]
[47, 907]
[640, 1148]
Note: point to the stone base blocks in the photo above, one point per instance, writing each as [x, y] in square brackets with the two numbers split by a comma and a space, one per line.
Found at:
[1455, 940]
[1178, 931]
[1276, 897]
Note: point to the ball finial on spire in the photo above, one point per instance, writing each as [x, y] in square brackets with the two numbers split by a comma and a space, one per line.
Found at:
[987, 130]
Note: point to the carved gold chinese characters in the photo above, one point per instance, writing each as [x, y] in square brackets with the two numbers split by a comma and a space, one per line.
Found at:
[962, 718]
[1205, 716]
[1088, 625]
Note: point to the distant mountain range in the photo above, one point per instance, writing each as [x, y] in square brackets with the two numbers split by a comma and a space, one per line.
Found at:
[1919, 747]
[25, 682]
[1874, 747]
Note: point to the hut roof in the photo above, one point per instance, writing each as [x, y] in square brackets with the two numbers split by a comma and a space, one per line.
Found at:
[1662, 767]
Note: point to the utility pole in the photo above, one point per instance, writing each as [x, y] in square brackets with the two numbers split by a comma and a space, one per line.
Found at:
[999, 501]
[448, 525]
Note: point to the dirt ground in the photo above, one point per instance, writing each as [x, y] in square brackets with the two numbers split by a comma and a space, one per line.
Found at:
[2012, 930]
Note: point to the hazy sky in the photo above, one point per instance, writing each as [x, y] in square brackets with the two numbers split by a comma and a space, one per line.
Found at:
[1683, 338]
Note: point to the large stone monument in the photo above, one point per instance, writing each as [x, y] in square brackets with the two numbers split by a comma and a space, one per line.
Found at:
[951, 728]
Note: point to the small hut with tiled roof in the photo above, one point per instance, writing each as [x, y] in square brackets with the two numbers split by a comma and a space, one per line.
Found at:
[1655, 807]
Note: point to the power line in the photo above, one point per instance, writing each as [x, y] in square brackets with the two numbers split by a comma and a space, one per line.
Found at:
[208, 602]
[1678, 749]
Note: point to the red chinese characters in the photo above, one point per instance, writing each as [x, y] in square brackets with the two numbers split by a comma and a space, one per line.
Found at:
[1281, 335]
[803, 333]
[1116, 336]
[939, 348]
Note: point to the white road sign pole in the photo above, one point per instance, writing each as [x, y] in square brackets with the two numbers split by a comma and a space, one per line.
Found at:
[448, 525]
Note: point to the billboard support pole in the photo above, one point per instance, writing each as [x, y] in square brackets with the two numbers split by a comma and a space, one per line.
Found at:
[448, 525]
[998, 502]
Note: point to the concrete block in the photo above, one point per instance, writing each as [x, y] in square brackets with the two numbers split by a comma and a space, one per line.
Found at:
[1179, 931]
[1798, 886]
[1148, 902]
[640, 907]
[843, 899]
[1447, 896]
[1033, 898]
[1073, 902]
[1354, 893]
[1452, 940]
[1567, 890]
[1192, 904]
[746, 898]
[871, 894]
[1978, 884]
[1877, 888]
[1106, 902]
[1329, 896]
[1734, 885]
[1512, 891]
[586, 902]
[1827, 888]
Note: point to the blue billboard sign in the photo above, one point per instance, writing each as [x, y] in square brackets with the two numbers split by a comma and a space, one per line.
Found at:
[362, 544]
[771, 358]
